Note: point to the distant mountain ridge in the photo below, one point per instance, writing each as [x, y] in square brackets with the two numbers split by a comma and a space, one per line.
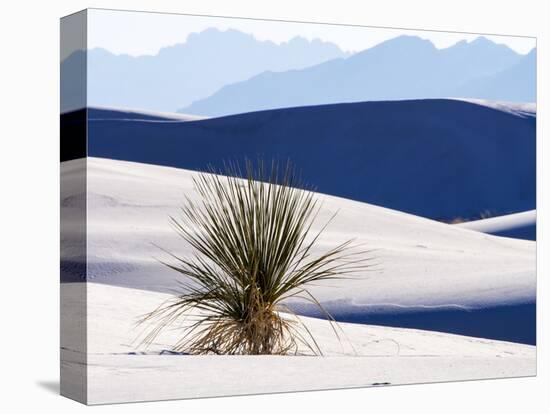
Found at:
[180, 74]
[406, 67]
[435, 158]
[517, 82]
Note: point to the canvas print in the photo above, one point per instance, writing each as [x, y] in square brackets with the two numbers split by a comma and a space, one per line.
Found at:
[255, 206]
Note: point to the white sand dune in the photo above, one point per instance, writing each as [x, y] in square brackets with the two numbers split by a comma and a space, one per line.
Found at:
[120, 370]
[98, 113]
[419, 262]
[517, 108]
[518, 225]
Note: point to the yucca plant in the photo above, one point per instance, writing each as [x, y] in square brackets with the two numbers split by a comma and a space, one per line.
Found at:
[252, 251]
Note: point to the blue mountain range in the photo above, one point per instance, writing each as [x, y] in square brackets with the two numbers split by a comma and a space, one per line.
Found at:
[216, 73]
[183, 73]
[406, 67]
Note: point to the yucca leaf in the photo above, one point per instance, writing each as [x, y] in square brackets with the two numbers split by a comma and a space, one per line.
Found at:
[249, 236]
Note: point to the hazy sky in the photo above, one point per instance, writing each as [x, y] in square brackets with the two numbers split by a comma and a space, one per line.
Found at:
[138, 33]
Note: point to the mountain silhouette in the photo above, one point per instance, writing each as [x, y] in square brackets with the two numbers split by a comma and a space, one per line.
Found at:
[517, 83]
[406, 67]
[180, 74]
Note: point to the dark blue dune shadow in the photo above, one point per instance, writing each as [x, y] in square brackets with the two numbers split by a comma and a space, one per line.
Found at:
[525, 232]
[513, 323]
[435, 158]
